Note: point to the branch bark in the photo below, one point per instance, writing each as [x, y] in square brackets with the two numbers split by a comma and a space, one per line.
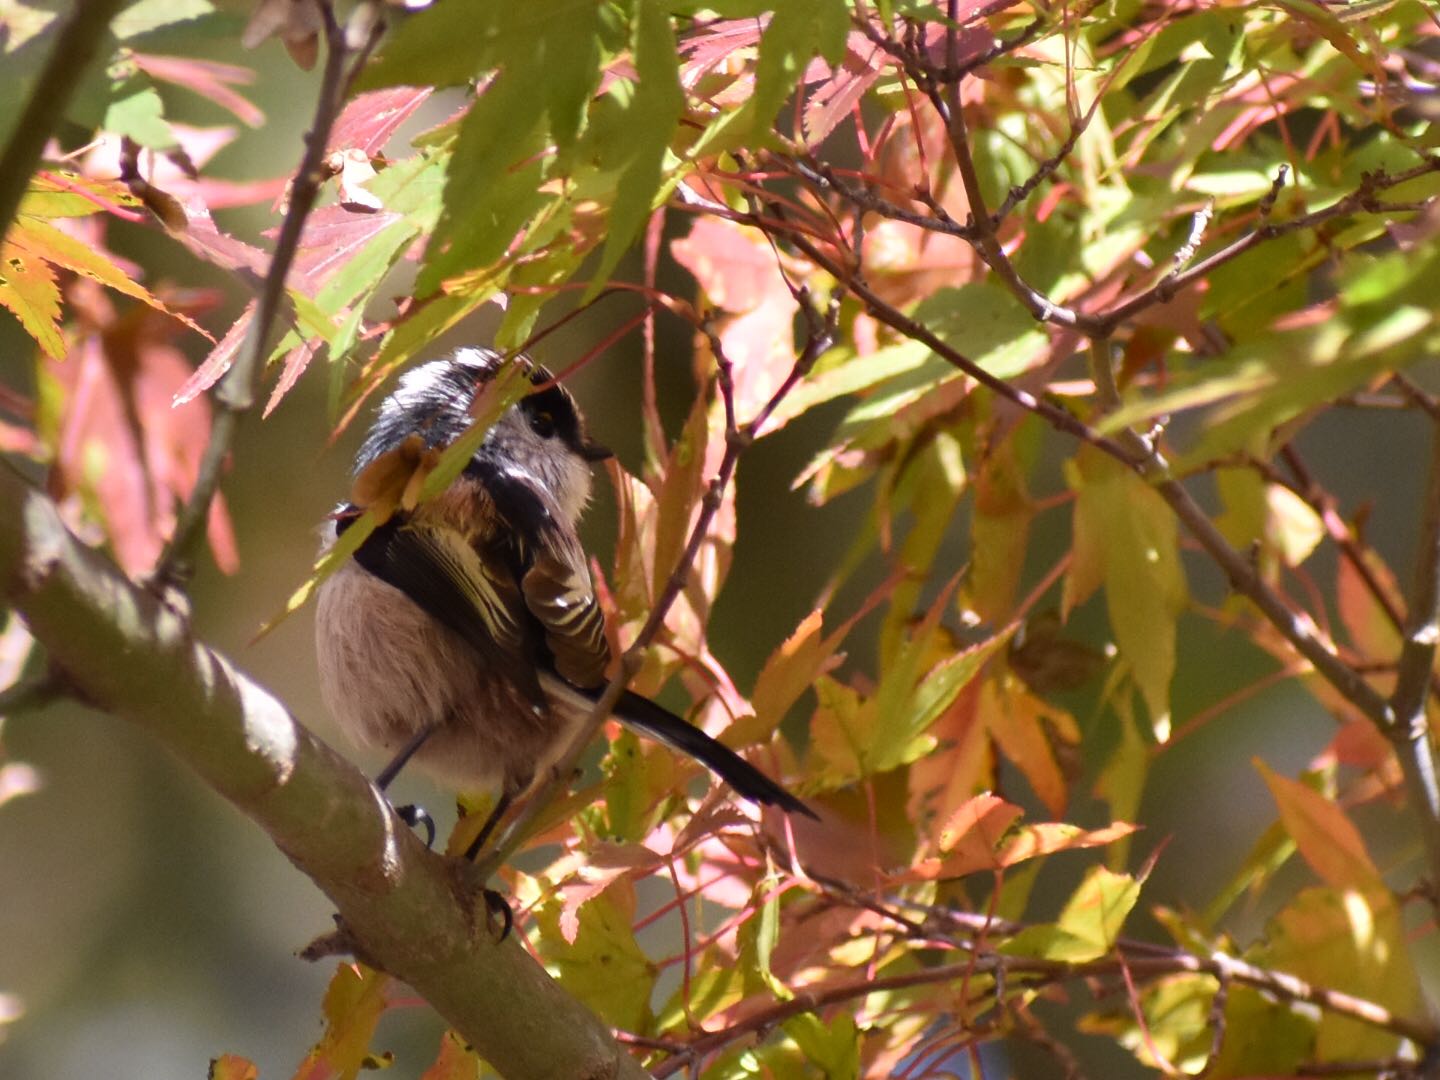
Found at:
[126, 652]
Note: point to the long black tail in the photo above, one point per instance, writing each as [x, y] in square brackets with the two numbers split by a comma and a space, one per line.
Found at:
[661, 724]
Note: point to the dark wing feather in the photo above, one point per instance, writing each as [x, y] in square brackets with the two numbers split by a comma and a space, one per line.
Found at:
[453, 582]
[556, 585]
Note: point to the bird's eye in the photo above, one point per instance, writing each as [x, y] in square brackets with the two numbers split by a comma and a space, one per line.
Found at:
[543, 424]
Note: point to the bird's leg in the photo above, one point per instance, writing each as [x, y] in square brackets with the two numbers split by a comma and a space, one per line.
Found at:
[402, 756]
[496, 813]
[411, 814]
[495, 904]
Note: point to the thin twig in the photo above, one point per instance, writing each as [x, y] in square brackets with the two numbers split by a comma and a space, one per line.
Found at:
[1410, 731]
[1364, 199]
[823, 177]
[986, 242]
[1047, 168]
[1416, 395]
[347, 48]
[75, 47]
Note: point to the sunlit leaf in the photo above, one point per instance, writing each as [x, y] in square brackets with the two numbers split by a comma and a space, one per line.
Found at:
[650, 118]
[1264, 1037]
[1176, 1018]
[1351, 941]
[232, 1067]
[455, 1061]
[1326, 837]
[1365, 615]
[495, 153]
[441, 45]
[137, 113]
[604, 966]
[29, 290]
[999, 535]
[1096, 912]
[43, 240]
[796, 30]
[1123, 526]
[354, 1003]
[741, 273]
[831, 1045]
[910, 700]
[1026, 729]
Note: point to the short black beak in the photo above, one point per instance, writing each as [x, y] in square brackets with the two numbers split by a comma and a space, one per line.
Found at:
[594, 451]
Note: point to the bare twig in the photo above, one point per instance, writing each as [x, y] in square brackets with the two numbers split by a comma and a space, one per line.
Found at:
[1047, 168]
[75, 47]
[347, 48]
[1364, 199]
[1410, 731]
[985, 240]
[824, 178]
[1336, 527]
[1216, 1021]
[1416, 395]
[920, 65]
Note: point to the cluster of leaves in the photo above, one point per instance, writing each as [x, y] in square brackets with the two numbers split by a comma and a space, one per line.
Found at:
[1175, 233]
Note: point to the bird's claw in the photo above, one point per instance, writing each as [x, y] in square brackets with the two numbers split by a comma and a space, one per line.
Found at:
[416, 816]
[496, 906]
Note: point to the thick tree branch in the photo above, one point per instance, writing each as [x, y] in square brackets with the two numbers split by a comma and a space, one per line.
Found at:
[126, 652]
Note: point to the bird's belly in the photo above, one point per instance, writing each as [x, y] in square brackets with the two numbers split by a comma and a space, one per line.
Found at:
[487, 733]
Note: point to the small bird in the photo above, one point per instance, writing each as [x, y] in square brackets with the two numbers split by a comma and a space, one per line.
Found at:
[465, 632]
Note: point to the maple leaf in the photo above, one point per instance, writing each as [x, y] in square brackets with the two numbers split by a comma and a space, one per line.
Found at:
[28, 287]
[839, 91]
[208, 78]
[120, 444]
[739, 273]
[368, 122]
[34, 252]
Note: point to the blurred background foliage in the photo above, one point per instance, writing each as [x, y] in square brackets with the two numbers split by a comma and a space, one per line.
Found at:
[145, 928]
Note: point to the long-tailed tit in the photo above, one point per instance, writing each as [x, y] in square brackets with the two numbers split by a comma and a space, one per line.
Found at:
[465, 633]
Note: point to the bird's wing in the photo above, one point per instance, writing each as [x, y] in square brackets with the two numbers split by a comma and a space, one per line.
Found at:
[475, 596]
[556, 583]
